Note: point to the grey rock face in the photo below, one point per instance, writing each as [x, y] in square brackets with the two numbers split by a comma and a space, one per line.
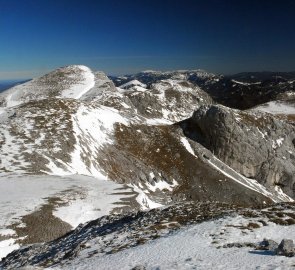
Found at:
[286, 248]
[257, 145]
[102, 85]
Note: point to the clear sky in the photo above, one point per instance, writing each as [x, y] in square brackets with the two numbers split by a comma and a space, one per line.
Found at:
[122, 37]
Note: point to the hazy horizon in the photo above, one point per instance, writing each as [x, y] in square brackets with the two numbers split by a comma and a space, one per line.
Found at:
[16, 79]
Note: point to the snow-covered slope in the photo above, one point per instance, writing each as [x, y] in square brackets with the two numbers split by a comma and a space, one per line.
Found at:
[192, 248]
[64, 202]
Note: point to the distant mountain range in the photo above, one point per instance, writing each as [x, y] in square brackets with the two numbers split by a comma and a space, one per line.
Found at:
[240, 91]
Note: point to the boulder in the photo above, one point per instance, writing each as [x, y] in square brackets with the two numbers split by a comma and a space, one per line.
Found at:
[138, 267]
[286, 248]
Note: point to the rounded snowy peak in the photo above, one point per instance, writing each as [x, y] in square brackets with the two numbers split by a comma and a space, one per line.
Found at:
[75, 81]
[132, 83]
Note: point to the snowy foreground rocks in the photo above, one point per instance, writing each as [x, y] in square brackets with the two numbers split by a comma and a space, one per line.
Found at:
[181, 236]
[285, 248]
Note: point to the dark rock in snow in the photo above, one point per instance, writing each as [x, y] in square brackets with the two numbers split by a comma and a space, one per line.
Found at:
[268, 244]
[138, 267]
[239, 245]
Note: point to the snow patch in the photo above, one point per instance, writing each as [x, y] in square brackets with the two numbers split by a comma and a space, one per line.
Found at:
[7, 246]
[157, 121]
[281, 194]
[187, 146]
[96, 202]
[276, 107]
[244, 83]
[280, 141]
[161, 185]
[76, 91]
[133, 83]
[7, 232]
[144, 201]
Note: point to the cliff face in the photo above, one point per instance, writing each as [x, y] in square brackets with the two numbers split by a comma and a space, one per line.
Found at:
[259, 146]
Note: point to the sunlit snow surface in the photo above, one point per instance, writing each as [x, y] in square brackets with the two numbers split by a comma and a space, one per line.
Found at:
[192, 248]
[76, 91]
[85, 198]
[187, 145]
[276, 107]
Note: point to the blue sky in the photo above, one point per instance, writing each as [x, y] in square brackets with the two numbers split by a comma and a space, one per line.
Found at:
[121, 37]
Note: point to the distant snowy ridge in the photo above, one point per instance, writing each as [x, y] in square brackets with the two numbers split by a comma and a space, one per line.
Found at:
[277, 107]
[133, 83]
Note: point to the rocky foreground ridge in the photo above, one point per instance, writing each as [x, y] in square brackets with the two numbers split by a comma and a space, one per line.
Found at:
[111, 235]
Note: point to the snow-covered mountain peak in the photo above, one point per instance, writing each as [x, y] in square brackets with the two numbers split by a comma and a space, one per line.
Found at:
[178, 84]
[134, 85]
[75, 81]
